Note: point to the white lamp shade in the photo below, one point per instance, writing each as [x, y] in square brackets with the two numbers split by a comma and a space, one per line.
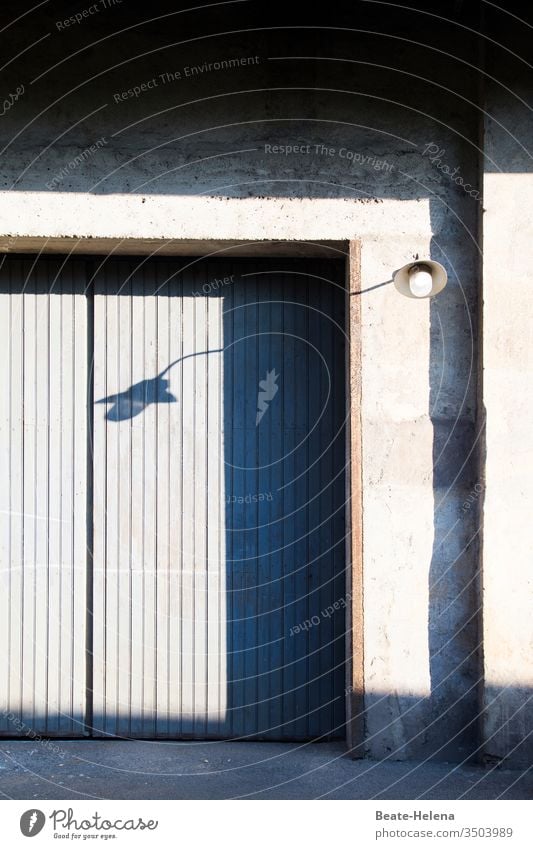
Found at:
[438, 278]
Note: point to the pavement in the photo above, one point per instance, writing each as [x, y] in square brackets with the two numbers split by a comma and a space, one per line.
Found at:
[136, 769]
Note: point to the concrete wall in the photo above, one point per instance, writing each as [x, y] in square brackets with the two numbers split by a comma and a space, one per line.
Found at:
[507, 380]
[195, 157]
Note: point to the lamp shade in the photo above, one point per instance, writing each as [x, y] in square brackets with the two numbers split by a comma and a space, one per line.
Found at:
[402, 278]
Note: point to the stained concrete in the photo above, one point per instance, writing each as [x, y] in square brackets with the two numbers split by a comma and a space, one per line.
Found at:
[225, 770]
[311, 150]
[187, 158]
[506, 497]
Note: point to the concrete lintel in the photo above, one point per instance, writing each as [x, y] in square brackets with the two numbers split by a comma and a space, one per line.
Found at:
[171, 247]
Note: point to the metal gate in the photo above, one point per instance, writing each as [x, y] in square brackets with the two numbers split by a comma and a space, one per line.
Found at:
[214, 490]
[43, 456]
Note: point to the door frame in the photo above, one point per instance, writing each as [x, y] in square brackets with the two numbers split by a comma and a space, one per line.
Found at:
[351, 251]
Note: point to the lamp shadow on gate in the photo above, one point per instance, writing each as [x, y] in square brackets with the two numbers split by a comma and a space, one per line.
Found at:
[155, 390]
[253, 646]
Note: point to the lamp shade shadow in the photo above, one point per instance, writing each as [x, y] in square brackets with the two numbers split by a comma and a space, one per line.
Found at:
[131, 402]
[135, 399]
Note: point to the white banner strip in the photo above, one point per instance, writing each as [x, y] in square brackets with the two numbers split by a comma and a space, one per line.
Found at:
[268, 824]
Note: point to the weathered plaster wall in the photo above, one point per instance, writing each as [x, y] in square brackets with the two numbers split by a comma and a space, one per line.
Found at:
[507, 380]
[188, 159]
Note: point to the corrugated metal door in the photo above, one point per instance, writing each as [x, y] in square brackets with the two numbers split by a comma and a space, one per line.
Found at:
[43, 455]
[219, 567]
[172, 555]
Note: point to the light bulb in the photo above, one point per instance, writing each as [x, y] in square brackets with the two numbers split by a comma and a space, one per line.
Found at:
[420, 281]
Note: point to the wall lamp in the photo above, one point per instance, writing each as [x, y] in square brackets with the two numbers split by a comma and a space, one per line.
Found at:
[421, 279]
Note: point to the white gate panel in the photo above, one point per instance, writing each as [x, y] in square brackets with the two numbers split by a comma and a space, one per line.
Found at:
[43, 507]
[217, 533]
[159, 636]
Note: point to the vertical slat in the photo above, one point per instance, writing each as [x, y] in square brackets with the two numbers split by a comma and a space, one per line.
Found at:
[8, 341]
[176, 497]
[163, 602]
[13, 686]
[125, 466]
[106, 481]
[42, 682]
[30, 430]
[237, 564]
[77, 497]
[251, 437]
[227, 529]
[215, 602]
[150, 421]
[41, 563]
[189, 408]
[301, 365]
[315, 403]
[276, 590]
[55, 485]
[102, 305]
[326, 512]
[200, 510]
[288, 387]
[266, 638]
[135, 498]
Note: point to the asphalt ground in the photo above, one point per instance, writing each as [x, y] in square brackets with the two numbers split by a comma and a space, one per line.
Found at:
[136, 769]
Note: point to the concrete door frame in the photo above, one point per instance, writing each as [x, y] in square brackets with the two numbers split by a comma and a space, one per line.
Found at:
[351, 251]
[355, 731]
